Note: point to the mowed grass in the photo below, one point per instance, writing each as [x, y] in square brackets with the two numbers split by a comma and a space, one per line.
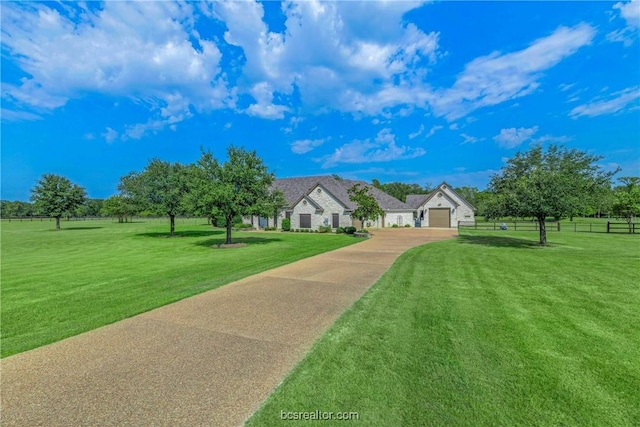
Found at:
[486, 329]
[56, 284]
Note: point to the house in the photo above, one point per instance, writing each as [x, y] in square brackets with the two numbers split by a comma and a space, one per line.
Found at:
[323, 200]
[443, 207]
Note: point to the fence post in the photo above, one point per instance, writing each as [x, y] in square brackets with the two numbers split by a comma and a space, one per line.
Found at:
[515, 225]
[575, 227]
[558, 225]
[590, 227]
[608, 225]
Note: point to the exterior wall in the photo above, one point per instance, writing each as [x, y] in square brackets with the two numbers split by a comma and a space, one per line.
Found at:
[391, 218]
[459, 210]
[330, 206]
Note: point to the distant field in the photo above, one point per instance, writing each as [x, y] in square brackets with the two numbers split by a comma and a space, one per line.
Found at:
[56, 284]
[489, 329]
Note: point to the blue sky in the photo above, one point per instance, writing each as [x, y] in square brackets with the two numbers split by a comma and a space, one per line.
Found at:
[398, 91]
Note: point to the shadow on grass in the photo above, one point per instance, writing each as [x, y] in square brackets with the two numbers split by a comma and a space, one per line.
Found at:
[245, 240]
[501, 242]
[185, 233]
[75, 228]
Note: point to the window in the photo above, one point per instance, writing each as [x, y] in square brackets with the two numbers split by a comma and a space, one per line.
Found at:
[287, 215]
[305, 220]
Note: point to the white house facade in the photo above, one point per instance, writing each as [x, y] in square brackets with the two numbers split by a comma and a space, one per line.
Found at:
[324, 201]
[442, 208]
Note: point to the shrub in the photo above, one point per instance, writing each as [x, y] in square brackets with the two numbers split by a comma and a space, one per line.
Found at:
[242, 225]
[364, 230]
[296, 230]
[339, 230]
[349, 230]
[286, 224]
[394, 226]
[407, 226]
[324, 229]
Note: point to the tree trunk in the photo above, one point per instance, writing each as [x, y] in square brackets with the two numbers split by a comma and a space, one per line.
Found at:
[228, 241]
[57, 223]
[543, 231]
[173, 224]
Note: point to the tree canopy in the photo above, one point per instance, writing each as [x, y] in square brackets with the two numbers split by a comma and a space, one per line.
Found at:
[367, 206]
[400, 190]
[240, 186]
[55, 195]
[627, 198]
[161, 188]
[543, 184]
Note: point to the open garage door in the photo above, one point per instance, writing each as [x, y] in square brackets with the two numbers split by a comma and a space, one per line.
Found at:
[440, 217]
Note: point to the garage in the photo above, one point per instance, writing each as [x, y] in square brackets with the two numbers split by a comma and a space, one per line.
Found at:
[440, 217]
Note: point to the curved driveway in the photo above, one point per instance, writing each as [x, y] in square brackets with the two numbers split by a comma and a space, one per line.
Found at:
[207, 360]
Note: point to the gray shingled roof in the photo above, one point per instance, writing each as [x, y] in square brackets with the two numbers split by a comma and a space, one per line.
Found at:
[415, 200]
[294, 188]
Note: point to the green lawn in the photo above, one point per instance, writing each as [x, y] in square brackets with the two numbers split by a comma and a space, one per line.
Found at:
[56, 284]
[487, 329]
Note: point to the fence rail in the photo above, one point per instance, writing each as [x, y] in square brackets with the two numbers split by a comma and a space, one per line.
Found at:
[622, 227]
[601, 227]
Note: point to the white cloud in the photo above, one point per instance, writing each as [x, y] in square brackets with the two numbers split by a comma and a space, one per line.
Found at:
[496, 78]
[617, 102]
[382, 149]
[305, 145]
[264, 106]
[110, 135]
[565, 86]
[330, 52]
[145, 51]
[512, 137]
[417, 133]
[18, 116]
[552, 138]
[630, 11]
[454, 126]
[468, 139]
[433, 131]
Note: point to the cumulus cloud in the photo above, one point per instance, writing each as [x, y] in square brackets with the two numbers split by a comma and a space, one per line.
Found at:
[616, 102]
[417, 133]
[305, 145]
[18, 116]
[382, 149]
[145, 51]
[330, 54]
[512, 137]
[264, 106]
[630, 11]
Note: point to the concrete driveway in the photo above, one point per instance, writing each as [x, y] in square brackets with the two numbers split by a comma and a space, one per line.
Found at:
[211, 359]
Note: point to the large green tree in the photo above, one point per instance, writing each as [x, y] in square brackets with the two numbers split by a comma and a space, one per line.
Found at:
[240, 186]
[627, 198]
[400, 190]
[367, 206]
[160, 188]
[119, 206]
[543, 184]
[55, 195]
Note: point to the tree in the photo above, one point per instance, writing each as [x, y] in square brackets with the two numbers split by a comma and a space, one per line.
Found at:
[55, 195]
[400, 190]
[161, 188]
[367, 206]
[238, 187]
[468, 193]
[119, 206]
[627, 198]
[542, 184]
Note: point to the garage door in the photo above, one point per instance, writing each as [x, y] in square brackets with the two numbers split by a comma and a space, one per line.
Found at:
[439, 217]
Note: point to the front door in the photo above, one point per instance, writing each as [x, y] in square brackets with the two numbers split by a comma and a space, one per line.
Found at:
[335, 220]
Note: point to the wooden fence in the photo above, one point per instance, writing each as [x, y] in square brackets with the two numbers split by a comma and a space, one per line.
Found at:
[622, 227]
[600, 227]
